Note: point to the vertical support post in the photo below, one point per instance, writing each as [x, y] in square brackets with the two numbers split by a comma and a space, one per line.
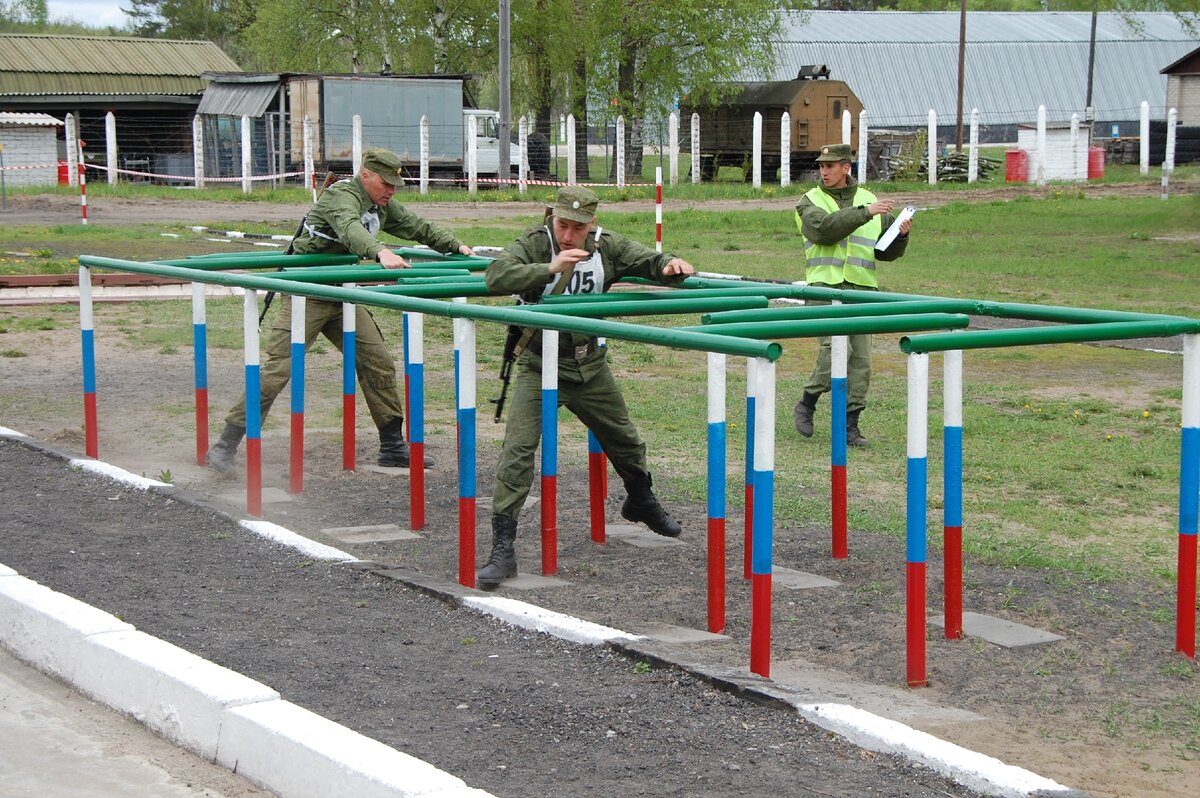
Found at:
[1144, 139]
[716, 492]
[1075, 152]
[571, 166]
[751, 412]
[200, 361]
[952, 470]
[523, 141]
[863, 146]
[298, 341]
[764, 519]
[198, 152]
[658, 209]
[416, 422]
[1168, 165]
[620, 168]
[696, 149]
[785, 150]
[1189, 498]
[756, 149]
[356, 148]
[310, 171]
[931, 135]
[349, 358]
[918, 429]
[1039, 171]
[424, 154]
[550, 451]
[91, 437]
[253, 403]
[82, 184]
[673, 146]
[247, 161]
[597, 487]
[847, 123]
[838, 345]
[72, 147]
[473, 154]
[110, 146]
[464, 352]
[973, 155]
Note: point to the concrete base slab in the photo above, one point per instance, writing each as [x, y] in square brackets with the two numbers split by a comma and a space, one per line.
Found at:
[639, 536]
[378, 469]
[533, 582]
[798, 580]
[1007, 634]
[377, 533]
[678, 634]
[269, 496]
[814, 684]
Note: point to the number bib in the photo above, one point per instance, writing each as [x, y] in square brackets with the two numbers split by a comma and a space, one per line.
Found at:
[586, 278]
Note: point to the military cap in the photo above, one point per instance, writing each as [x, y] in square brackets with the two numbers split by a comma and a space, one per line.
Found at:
[576, 203]
[835, 152]
[384, 163]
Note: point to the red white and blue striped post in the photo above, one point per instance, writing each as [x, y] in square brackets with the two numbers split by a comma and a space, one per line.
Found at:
[349, 358]
[597, 481]
[764, 521]
[200, 360]
[1189, 498]
[838, 346]
[464, 370]
[404, 352]
[296, 469]
[658, 209]
[549, 452]
[253, 404]
[918, 431]
[952, 469]
[748, 547]
[416, 421]
[87, 335]
[716, 492]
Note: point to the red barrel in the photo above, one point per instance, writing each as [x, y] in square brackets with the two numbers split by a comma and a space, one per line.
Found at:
[64, 173]
[1016, 166]
[1095, 163]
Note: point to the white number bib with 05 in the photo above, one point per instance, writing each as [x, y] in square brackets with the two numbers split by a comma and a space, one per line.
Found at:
[587, 277]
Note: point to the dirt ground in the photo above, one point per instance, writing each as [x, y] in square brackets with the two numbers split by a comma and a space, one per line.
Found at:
[1110, 709]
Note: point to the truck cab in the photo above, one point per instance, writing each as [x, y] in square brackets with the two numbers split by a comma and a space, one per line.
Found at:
[487, 142]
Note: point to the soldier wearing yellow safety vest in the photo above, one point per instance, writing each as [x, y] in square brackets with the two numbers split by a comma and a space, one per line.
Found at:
[840, 221]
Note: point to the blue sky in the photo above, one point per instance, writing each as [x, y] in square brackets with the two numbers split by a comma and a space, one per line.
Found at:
[96, 13]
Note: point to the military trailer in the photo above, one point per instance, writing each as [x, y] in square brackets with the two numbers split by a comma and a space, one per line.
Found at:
[815, 105]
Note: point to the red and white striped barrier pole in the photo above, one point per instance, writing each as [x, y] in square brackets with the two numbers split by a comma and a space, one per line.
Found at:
[200, 362]
[549, 452]
[716, 492]
[82, 184]
[349, 355]
[296, 466]
[658, 209]
[87, 337]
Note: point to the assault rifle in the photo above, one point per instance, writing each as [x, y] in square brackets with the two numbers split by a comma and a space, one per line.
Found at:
[511, 341]
[330, 179]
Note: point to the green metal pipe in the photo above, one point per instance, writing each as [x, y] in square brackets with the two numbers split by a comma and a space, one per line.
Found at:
[431, 273]
[1030, 336]
[435, 279]
[796, 313]
[671, 295]
[472, 262]
[606, 309]
[702, 341]
[337, 275]
[855, 326]
[255, 260]
[435, 290]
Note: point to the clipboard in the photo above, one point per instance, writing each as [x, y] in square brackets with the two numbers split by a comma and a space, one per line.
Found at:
[890, 234]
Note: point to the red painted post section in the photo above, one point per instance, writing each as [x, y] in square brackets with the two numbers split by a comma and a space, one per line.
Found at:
[201, 426]
[841, 545]
[348, 432]
[296, 462]
[952, 546]
[716, 575]
[760, 625]
[1185, 603]
[416, 485]
[91, 441]
[466, 541]
[254, 477]
[915, 625]
[549, 526]
[597, 493]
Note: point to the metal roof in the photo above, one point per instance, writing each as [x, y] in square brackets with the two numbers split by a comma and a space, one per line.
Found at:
[31, 120]
[903, 64]
[238, 97]
[40, 64]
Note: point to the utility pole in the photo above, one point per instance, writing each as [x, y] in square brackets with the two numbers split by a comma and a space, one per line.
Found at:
[962, 71]
[1090, 111]
[505, 102]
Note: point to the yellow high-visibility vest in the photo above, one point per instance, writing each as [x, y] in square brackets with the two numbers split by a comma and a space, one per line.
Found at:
[850, 260]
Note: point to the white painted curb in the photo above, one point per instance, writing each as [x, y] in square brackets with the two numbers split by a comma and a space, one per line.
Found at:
[531, 616]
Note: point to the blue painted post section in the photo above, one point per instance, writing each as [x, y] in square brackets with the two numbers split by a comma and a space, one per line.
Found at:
[549, 452]
[764, 519]
[749, 508]
[918, 465]
[716, 492]
[1189, 499]
[349, 358]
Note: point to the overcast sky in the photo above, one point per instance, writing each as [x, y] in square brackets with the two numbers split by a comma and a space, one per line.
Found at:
[96, 13]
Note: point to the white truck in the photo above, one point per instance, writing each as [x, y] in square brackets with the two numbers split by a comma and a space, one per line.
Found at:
[391, 108]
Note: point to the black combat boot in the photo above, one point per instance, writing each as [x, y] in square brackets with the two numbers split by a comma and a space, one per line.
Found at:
[393, 449]
[803, 412]
[220, 455]
[502, 563]
[853, 436]
[642, 505]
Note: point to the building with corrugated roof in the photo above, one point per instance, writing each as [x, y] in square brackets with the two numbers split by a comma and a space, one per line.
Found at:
[902, 64]
[152, 86]
[28, 149]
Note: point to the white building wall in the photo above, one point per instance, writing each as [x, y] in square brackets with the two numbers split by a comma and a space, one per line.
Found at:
[1058, 152]
[29, 145]
[1183, 94]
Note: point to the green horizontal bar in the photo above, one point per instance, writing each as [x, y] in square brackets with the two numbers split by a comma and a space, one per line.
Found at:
[435, 290]
[685, 305]
[472, 262]
[338, 275]
[1030, 336]
[255, 260]
[681, 339]
[451, 276]
[797, 313]
[855, 326]
[673, 294]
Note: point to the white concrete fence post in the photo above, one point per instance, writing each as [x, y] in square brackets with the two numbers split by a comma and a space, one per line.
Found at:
[571, 150]
[72, 132]
[198, 151]
[973, 156]
[1075, 149]
[110, 146]
[356, 143]
[1040, 156]
[247, 163]
[673, 146]
[862, 145]
[310, 168]
[1145, 138]
[931, 135]
[696, 148]
[523, 142]
[785, 149]
[757, 148]
[472, 154]
[847, 126]
[621, 151]
[424, 145]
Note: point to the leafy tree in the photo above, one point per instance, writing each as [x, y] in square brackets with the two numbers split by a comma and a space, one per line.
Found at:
[209, 20]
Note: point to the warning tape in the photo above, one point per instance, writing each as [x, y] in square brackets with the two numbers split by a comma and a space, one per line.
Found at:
[514, 181]
[34, 166]
[240, 234]
[191, 178]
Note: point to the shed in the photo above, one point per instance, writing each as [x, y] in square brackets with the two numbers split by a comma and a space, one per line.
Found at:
[1063, 162]
[29, 149]
[1183, 88]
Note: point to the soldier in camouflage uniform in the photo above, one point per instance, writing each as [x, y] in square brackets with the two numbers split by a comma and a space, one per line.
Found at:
[571, 247]
[347, 218]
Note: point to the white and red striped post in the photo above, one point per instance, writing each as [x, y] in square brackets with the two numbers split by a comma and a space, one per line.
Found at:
[1189, 499]
[253, 404]
[838, 346]
[416, 421]
[200, 361]
[658, 209]
[82, 184]
[952, 459]
[464, 370]
[549, 452]
[91, 437]
[716, 492]
[349, 358]
[917, 506]
[764, 521]
[296, 468]
[597, 480]
[748, 547]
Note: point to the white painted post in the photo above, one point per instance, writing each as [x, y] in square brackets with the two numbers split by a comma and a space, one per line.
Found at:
[673, 146]
[198, 152]
[621, 151]
[931, 135]
[1172, 120]
[424, 167]
[1145, 138]
[973, 155]
[72, 150]
[1075, 148]
[110, 146]
[571, 150]
[696, 148]
[523, 169]
[356, 142]
[310, 170]
[472, 154]
[757, 149]
[785, 149]
[862, 146]
[247, 168]
[1040, 168]
[847, 126]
